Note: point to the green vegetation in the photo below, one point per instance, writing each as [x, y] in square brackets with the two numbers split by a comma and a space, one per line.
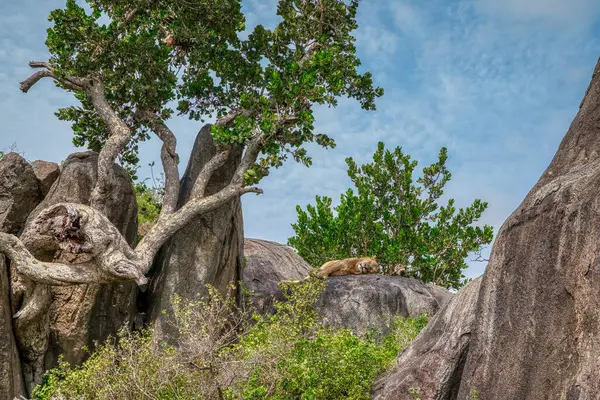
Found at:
[397, 218]
[224, 352]
[149, 206]
[151, 55]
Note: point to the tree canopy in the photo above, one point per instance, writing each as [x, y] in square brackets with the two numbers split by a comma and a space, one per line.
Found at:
[165, 57]
[395, 217]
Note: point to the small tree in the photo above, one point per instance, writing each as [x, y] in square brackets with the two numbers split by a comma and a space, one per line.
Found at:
[395, 218]
[125, 63]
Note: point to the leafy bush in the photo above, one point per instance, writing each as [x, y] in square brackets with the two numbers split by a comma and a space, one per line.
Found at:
[224, 352]
[397, 218]
[149, 206]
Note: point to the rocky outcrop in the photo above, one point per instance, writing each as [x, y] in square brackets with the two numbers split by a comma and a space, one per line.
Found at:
[46, 173]
[19, 192]
[207, 251]
[434, 361]
[11, 378]
[265, 265]
[364, 302]
[82, 314]
[537, 334]
[19, 195]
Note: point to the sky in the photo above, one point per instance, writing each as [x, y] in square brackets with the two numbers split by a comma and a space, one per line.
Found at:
[497, 82]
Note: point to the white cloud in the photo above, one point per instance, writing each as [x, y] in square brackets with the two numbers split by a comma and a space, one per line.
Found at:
[564, 12]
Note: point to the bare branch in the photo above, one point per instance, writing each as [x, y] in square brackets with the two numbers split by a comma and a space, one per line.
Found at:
[120, 135]
[249, 158]
[228, 119]
[206, 173]
[69, 83]
[170, 162]
[308, 54]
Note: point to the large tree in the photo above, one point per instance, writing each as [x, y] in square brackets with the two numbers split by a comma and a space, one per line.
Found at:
[132, 65]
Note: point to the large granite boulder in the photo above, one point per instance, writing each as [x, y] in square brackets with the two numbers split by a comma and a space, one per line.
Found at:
[265, 265]
[19, 195]
[365, 302]
[433, 362]
[46, 173]
[209, 250]
[82, 314]
[19, 192]
[537, 330]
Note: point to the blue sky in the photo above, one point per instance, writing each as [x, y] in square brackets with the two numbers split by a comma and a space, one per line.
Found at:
[496, 81]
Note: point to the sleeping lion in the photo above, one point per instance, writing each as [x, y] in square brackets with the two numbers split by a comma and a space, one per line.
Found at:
[348, 266]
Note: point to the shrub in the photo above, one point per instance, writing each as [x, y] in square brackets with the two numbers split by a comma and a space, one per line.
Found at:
[396, 217]
[225, 352]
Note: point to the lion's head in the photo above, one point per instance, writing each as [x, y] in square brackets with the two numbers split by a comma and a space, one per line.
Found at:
[368, 265]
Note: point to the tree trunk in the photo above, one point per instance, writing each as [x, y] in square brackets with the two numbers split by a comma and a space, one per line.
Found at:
[209, 250]
[537, 331]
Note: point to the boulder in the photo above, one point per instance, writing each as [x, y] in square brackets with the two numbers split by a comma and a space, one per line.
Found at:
[11, 377]
[19, 195]
[209, 250]
[433, 362]
[537, 330]
[46, 173]
[19, 192]
[82, 314]
[265, 265]
[365, 302]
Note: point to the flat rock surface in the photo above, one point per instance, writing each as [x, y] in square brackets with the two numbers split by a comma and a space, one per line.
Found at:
[362, 302]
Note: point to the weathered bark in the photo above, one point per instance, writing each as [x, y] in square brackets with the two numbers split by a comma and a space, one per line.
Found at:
[537, 334]
[434, 361]
[208, 250]
[365, 302]
[265, 265]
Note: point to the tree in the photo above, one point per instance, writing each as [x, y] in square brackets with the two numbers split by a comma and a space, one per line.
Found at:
[395, 218]
[127, 62]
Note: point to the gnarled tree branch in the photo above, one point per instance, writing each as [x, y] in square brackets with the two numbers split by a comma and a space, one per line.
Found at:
[198, 204]
[170, 161]
[98, 251]
[69, 83]
[120, 135]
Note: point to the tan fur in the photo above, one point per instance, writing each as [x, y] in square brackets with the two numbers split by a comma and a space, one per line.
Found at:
[348, 266]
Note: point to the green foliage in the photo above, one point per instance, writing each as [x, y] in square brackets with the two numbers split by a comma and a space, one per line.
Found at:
[274, 76]
[223, 353]
[395, 217]
[1, 155]
[149, 206]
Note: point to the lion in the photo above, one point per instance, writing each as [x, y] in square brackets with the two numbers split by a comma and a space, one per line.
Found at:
[348, 266]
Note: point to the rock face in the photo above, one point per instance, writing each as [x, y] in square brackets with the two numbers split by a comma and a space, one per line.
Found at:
[207, 251]
[11, 378]
[46, 173]
[265, 265]
[82, 314]
[19, 192]
[434, 362]
[537, 334]
[362, 302]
